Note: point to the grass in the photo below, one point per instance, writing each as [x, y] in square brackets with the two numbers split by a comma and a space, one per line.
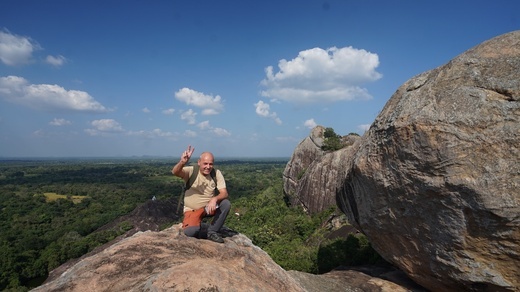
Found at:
[49, 197]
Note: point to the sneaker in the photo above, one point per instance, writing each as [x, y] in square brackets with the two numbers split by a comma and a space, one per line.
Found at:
[215, 237]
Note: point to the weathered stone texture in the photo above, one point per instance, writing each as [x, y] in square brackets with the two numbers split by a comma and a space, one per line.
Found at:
[311, 176]
[317, 188]
[303, 156]
[170, 261]
[435, 182]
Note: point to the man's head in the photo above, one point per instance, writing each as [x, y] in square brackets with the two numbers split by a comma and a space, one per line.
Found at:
[205, 163]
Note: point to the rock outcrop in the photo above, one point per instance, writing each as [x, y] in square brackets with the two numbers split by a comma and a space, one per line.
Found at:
[170, 261]
[435, 182]
[317, 188]
[149, 216]
[310, 177]
[303, 156]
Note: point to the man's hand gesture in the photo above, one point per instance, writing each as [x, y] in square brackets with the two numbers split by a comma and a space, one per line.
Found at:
[186, 155]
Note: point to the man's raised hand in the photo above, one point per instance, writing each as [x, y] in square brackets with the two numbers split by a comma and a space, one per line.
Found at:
[186, 155]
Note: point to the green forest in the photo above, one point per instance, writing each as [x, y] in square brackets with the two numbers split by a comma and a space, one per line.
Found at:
[50, 211]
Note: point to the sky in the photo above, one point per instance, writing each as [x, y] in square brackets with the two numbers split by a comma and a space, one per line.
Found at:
[238, 78]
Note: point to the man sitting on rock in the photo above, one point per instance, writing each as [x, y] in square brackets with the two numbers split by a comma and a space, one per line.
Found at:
[201, 198]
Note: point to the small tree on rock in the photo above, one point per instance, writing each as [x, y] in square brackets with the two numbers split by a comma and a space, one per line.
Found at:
[331, 141]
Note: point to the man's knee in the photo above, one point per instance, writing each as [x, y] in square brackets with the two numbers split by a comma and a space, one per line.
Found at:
[225, 205]
[192, 231]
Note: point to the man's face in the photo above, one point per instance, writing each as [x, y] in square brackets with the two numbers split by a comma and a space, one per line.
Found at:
[205, 164]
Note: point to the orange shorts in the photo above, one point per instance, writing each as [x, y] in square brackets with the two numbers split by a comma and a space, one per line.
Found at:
[193, 218]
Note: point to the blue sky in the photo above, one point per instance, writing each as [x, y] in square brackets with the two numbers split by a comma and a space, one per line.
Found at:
[238, 78]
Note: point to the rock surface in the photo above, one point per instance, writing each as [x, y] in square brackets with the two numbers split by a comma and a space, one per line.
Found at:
[170, 261]
[151, 215]
[317, 188]
[435, 182]
[303, 156]
[310, 177]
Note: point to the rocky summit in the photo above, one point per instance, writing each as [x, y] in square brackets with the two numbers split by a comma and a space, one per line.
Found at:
[170, 261]
[310, 175]
[307, 152]
[435, 182]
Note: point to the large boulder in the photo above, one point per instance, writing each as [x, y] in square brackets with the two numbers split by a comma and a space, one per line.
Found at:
[317, 187]
[435, 183]
[303, 156]
[170, 261]
[311, 175]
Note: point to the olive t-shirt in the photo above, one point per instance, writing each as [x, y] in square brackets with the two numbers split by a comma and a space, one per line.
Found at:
[202, 189]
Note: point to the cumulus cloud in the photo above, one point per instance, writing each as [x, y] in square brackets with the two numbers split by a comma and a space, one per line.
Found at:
[59, 122]
[57, 61]
[104, 126]
[107, 125]
[204, 125]
[146, 110]
[220, 132]
[16, 50]
[318, 75]
[209, 104]
[190, 133]
[169, 111]
[310, 124]
[264, 110]
[46, 96]
[155, 133]
[189, 116]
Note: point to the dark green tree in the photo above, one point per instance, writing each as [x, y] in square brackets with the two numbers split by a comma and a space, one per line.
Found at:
[331, 141]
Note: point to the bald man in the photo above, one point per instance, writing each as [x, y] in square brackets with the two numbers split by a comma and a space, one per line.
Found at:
[202, 199]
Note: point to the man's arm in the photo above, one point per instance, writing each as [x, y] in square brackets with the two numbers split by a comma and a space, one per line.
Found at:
[212, 204]
[185, 157]
[223, 194]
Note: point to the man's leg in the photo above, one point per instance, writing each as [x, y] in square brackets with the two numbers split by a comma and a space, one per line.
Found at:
[220, 217]
[192, 231]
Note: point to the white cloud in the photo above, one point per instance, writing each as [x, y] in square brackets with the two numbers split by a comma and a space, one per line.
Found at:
[264, 110]
[146, 110]
[59, 122]
[220, 132]
[318, 75]
[190, 133]
[15, 49]
[155, 133]
[364, 127]
[46, 96]
[204, 125]
[310, 124]
[210, 105]
[161, 133]
[55, 61]
[209, 112]
[169, 111]
[38, 133]
[189, 116]
[104, 126]
[107, 125]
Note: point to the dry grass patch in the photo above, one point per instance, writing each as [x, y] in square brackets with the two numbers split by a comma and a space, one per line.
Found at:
[49, 197]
